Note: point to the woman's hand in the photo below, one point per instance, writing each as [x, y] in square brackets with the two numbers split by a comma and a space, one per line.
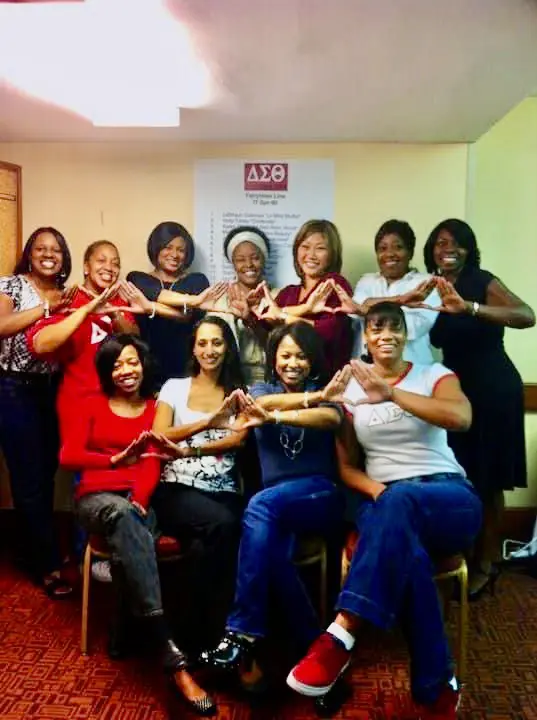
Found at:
[99, 304]
[238, 304]
[266, 307]
[253, 414]
[416, 297]
[334, 391]
[136, 301]
[377, 489]
[207, 299]
[452, 302]
[374, 386]
[164, 448]
[316, 302]
[132, 453]
[222, 419]
[347, 305]
[61, 299]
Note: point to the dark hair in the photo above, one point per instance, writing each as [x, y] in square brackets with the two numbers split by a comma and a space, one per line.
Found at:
[309, 341]
[163, 234]
[231, 376]
[400, 228]
[245, 228]
[385, 313]
[330, 233]
[464, 237]
[109, 351]
[24, 264]
[92, 247]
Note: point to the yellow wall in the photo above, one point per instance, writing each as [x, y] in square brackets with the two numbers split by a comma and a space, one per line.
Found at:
[502, 208]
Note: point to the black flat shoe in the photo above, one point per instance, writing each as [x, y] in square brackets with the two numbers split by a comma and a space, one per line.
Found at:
[232, 651]
[489, 584]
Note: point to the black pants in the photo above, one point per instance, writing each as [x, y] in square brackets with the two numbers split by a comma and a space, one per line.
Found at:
[29, 440]
[209, 524]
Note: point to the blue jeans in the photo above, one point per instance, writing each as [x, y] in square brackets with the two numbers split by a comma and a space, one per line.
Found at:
[391, 574]
[271, 522]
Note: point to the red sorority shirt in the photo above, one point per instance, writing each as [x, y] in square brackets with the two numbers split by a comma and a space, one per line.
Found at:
[77, 358]
[98, 434]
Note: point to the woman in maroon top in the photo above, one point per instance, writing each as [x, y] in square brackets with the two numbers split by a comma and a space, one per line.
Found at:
[111, 446]
[317, 255]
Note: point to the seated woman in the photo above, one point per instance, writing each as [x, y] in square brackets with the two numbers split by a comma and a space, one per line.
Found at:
[417, 505]
[297, 452]
[118, 475]
[198, 499]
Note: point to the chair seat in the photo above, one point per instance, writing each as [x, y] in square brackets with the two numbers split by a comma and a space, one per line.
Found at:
[443, 565]
[165, 546]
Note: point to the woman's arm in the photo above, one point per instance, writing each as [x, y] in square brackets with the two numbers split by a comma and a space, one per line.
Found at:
[321, 418]
[74, 454]
[233, 441]
[163, 423]
[12, 322]
[348, 453]
[448, 408]
[505, 308]
[55, 334]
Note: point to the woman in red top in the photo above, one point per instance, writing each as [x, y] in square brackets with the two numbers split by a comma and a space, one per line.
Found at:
[109, 446]
[317, 255]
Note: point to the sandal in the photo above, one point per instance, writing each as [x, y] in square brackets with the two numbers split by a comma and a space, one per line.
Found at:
[56, 588]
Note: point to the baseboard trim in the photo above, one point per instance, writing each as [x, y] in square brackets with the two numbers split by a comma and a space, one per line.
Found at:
[518, 523]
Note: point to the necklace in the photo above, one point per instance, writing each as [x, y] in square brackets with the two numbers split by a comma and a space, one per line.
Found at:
[291, 450]
[171, 286]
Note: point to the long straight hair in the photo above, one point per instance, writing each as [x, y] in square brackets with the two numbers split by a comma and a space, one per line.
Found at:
[231, 376]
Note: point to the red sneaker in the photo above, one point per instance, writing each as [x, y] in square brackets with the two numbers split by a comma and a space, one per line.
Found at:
[326, 660]
[446, 706]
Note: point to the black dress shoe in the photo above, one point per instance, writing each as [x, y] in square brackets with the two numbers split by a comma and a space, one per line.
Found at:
[173, 660]
[232, 651]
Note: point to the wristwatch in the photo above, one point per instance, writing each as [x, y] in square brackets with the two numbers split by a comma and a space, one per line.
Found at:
[475, 308]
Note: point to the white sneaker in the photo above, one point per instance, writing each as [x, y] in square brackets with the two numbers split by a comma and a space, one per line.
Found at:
[100, 571]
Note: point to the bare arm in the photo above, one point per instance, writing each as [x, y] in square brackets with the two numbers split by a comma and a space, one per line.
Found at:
[53, 336]
[448, 408]
[348, 455]
[505, 308]
[12, 322]
[163, 423]
[233, 441]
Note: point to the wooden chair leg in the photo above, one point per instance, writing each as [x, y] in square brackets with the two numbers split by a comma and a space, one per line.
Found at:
[86, 579]
[463, 622]
[323, 595]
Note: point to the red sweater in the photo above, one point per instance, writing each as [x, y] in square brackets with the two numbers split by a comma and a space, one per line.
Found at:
[77, 358]
[96, 435]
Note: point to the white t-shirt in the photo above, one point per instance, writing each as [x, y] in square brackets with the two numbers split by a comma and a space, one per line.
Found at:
[211, 473]
[397, 444]
[419, 322]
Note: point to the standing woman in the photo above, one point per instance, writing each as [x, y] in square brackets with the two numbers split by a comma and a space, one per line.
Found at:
[476, 307]
[73, 339]
[317, 255]
[28, 427]
[170, 248]
[397, 282]
[247, 248]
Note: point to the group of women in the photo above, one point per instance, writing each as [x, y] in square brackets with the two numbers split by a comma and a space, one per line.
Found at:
[243, 370]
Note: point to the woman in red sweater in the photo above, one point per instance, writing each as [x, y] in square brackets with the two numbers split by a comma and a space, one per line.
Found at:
[108, 444]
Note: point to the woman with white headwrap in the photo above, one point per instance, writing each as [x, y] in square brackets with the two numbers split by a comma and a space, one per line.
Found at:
[247, 248]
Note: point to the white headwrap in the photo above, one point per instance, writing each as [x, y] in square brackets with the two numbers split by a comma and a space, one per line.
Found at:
[246, 236]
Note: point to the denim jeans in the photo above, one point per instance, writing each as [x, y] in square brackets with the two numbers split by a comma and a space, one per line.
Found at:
[29, 440]
[130, 538]
[272, 521]
[391, 574]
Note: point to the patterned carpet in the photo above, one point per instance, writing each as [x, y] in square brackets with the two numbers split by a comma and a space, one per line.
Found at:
[43, 675]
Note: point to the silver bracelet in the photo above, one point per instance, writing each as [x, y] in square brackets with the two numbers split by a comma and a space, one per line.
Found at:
[153, 310]
[46, 309]
[306, 399]
[277, 416]
[185, 309]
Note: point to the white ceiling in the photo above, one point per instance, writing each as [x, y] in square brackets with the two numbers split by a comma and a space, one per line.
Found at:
[307, 70]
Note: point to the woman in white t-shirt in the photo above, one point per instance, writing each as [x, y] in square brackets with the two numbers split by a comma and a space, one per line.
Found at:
[397, 282]
[198, 499]
[417, 504]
